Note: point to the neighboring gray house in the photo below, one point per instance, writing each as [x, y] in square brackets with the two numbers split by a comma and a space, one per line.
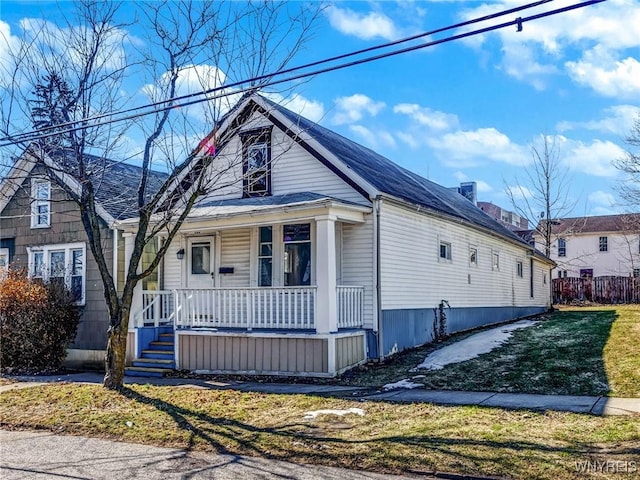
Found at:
[40, 229]
[317, 253]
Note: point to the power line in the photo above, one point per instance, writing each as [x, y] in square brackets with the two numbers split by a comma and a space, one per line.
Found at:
[224, 91]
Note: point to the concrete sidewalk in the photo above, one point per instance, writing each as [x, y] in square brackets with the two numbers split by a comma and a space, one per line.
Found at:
[578, 404]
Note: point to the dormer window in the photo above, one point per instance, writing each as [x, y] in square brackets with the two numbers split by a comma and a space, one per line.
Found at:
[256, 162]
[40, 204]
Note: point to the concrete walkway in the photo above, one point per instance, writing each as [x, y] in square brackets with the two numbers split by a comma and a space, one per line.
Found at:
[579, 404]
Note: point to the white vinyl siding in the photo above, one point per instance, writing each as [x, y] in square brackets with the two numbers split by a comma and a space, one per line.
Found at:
[358, 262]
[293, 169]
[412, 276]
[235, 251]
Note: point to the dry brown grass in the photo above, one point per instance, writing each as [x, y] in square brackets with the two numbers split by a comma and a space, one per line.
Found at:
[388, 438]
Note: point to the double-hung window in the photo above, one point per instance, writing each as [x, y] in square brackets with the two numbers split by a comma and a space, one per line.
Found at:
[256, 162]
[603, 244]
[40, 203]
[562, 247]
[63, 263]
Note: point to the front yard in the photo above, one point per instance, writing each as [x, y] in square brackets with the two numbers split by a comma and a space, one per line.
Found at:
[576, 351]
[385, 438]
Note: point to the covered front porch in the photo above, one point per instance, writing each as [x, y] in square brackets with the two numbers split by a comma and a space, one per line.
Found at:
[264, 299]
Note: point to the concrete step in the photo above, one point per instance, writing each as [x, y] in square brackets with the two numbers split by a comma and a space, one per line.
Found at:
[153, 363]
[159, 354]
[161, 345]
[146, 371]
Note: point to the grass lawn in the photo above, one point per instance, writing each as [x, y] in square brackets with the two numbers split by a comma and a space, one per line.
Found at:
[387, 438]
[577, 351]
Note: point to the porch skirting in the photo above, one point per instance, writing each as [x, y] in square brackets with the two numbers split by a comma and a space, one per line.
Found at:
[269, 353]
[408, 328]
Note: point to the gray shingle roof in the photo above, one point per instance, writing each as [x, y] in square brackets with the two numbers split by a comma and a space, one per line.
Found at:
[116, 183]
[392, 179]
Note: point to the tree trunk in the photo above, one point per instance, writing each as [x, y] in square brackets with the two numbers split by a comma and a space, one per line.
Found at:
[116, 354]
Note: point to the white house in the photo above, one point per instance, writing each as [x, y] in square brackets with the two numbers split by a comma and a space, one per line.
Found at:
[316, 253]
[596, 246]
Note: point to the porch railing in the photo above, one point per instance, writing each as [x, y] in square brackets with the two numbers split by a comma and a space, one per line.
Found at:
[350, 306]
[247, 308]
[157, 308]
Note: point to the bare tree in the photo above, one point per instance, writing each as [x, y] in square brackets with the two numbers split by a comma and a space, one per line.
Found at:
[69, 80]
[629, 188]
[542, 194]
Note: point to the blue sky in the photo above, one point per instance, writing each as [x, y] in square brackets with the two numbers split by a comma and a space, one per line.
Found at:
[468, 110]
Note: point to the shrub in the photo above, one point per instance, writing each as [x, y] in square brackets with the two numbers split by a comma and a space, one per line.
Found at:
[37, 322]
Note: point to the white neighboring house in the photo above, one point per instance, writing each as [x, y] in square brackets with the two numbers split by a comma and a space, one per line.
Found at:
[318, 254]
[595, 246]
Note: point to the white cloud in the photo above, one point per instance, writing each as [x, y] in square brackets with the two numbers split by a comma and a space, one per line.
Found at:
[593, 159]
[460, 176]
[353, 108]
[519, 192]
[8, 44]
[607, 74]
[545, 46]
[311, 109]
[483, 187]
[433, 119]
[378, 140]
[602, 198]
[472, 148]
[619, 120]
[365, 26]
[409, 139]
[520, 62]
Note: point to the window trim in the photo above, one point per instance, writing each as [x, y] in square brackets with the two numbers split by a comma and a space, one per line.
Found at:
[562, 247]
[495, 260]
[259, 137]
[603, 244]
[448, 251]
[37, 202]
[68, 248]
[473, 249]
[519, 268]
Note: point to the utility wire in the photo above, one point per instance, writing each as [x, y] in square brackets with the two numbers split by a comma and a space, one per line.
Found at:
[288, 70]
[37, 134]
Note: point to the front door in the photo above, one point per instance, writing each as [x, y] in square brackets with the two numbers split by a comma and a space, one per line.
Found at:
[201, 262]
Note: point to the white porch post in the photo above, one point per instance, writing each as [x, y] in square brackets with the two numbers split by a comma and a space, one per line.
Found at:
[326, 298]
[136, 303]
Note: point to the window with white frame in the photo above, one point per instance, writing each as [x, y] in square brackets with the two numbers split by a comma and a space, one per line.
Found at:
[562, 247]
[603, 244]
[40, 203]
[256, 162]
[495, 263]
[265, 257]
[519, 269]
[445, 251]
[63, 263]
[473, 256]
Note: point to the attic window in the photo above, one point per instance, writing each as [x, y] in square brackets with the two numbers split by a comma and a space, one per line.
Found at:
[40, 204]
[256, 162]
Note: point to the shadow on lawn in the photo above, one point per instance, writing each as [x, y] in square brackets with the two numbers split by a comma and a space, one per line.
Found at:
[305, 442]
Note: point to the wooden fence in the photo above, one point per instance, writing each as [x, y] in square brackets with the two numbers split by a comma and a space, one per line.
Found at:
[606, 290]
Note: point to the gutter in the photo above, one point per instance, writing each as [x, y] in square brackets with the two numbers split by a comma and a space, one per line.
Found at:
[377, 207]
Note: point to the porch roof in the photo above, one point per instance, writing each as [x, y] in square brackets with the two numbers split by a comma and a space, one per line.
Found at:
[269, 208]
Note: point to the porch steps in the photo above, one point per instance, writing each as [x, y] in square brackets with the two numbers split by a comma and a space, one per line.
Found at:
[157, 360]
